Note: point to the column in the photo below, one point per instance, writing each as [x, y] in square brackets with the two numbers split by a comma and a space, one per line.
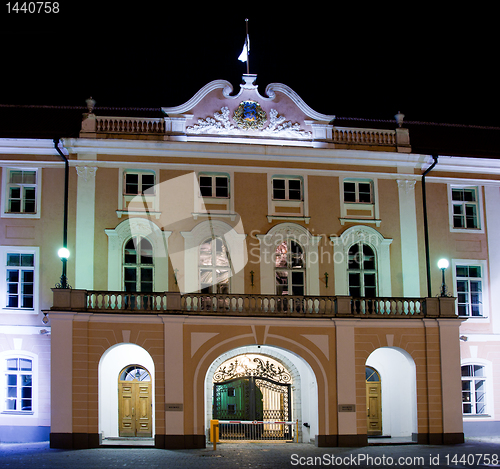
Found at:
[85, 221]
[409, 238]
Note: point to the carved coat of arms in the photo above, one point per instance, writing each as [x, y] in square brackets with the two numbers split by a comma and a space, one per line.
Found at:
[249, 115]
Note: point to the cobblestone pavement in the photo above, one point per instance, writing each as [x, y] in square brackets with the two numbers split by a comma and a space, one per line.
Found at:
[485, 453]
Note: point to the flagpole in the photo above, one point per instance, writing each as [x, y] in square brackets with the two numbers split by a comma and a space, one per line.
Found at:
[248, 50]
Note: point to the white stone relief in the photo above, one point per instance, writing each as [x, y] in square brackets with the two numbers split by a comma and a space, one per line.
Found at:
[278, 126]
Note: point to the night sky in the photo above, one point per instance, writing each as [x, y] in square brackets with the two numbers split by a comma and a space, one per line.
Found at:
[346, 59]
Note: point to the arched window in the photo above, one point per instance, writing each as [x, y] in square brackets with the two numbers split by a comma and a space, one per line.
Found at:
[19, 384]
[362, 271]
[133, 372]
[473, 389]
[290, 271]
[214, 266]
[138, 265]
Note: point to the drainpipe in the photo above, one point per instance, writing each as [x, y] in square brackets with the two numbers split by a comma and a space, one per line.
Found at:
[426, 228]
[64, 278]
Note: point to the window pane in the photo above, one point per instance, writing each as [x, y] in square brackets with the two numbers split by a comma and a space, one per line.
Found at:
[132, 184]
[462, 271]
[148, 182]
[279, 189]
[25, 364]
[27, 260]
[349, 192]
[294, 191]
[281, 282]
[475, 271]
[368, 257]
[221, 187]
[29, 177]
[466, 371]
[365, 192]
[16, 177]
[478, 370]
[296, 255]
[13, 259]
[206, 253]
[281, 255]
[206, 186]
[146, 251]
[11, 363]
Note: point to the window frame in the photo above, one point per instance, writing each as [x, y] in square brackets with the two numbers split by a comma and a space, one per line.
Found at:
[361, 270]
[151, 199]
[290, 269]
[363, 212]
[6, 185]
[214, 267]
[357, 182]
[4, 251]
[287, 189]
[485, 286]
[213, 185]
[478, 204]
[138, 266]
[19, 354]
[472, 390]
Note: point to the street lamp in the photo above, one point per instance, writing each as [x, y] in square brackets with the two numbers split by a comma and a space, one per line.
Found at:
[443, 265]
[63, 253]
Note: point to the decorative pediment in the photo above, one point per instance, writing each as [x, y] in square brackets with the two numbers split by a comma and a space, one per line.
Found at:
[214, 110]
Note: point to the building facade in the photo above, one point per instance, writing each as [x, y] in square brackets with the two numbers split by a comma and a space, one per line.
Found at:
[244, 258]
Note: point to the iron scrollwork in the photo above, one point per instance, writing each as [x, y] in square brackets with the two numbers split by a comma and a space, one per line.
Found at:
[261, 370]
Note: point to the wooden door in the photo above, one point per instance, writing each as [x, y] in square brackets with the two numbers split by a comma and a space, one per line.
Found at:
[373, 402]
[134, 408]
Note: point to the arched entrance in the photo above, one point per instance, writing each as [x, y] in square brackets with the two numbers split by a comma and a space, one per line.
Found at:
[257, 389]
[285, 389]
[126, 392]
[398, 403]
[134, 402]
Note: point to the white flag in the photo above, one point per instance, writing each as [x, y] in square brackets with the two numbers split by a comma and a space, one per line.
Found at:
[246, 49]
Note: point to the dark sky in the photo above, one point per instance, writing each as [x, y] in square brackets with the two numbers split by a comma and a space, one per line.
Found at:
[352, 59]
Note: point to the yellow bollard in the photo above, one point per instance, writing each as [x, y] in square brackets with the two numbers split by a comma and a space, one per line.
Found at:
[214, 432]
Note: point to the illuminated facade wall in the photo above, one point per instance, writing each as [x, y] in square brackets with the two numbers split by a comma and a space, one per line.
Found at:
[301, 207]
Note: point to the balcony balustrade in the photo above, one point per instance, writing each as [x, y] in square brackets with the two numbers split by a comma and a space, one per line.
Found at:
[251, 305]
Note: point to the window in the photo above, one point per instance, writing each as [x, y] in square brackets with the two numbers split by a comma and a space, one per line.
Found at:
[20, 276]
[138, 265]
[21, 196]
[18, 385]
[469, 288]
[359, 192]
[465, 208]
[214, 186]
[287, 189]
[214, 266]
[362, 271]
[139, 183]
[290, 270]
[473, 390]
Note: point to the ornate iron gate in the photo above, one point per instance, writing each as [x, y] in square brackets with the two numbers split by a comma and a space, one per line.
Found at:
[249, 401]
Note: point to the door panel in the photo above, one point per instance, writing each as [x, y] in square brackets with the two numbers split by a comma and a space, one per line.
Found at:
[126, 409]
[135, 409]
[374, 408]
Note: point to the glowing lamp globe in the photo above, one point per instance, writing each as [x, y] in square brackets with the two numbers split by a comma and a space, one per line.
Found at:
[443, 263]
[63, 253]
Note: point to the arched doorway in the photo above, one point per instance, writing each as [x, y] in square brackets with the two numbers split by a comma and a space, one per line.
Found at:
[134, 402]
[397, 376]
[125, 371]
[303, 400]
[253, 388]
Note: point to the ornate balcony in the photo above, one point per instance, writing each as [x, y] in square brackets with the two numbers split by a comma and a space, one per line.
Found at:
[232, 305]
